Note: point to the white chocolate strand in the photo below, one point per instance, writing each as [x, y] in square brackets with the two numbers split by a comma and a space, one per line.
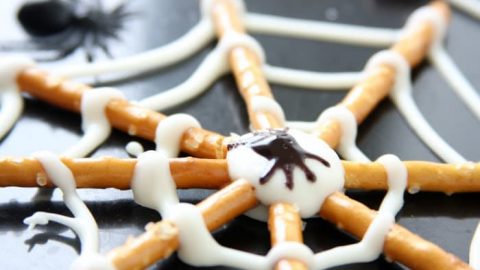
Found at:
[11, 102]
[442, 61]
[401, 95]
[347, 146]
[95, 123]
[474, 255]
[83, 223]
[311, 79]
[195, 39]
[322, 31]
[244, 163]
[152, 182]
[170, 131]
[471, 7]
[134, 148]
[210, 70]
[268, 105]
[371, 246]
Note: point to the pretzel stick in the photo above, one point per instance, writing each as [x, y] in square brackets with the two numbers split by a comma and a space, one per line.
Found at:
[113, 172]
[283, 223]
[400, 244]
[122, 115]
[365, 96]
[161, 238]
[117, 173]
[424, 176]
[245, 65]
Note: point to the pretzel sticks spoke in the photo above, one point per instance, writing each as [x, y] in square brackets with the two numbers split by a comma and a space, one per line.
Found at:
[400, 244]
[364, 97]
[285, 222]
[244, 64]
[162, 238]
[110, 172]
[122, 114]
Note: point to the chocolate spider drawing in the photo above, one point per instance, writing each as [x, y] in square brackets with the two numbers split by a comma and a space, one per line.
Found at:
[283, 152]
[58, 28]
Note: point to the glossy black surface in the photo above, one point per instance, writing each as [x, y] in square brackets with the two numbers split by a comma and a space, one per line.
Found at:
[448, 221]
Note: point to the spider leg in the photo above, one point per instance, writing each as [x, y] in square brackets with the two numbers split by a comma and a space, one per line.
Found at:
[308, 173]
[270, 170]
[321, 160]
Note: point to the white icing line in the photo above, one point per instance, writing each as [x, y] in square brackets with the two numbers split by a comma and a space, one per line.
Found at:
[198, 248]
[11, 108]
[371, 246]
[11, 100]
[245, 163]
[455, 78]
[212, 68]
[291, 250]
[83, 223]
[152, 182]
[474, 255]
[471, 7]
[311, 79]
[134, 148]
[304, 126]
[347, 146]
[397, 176]
[366, 250]
[95, 123]
[195, 39]
[401, 95]
[442, 61]
[170, 131]
[323, 31]
[268, 105]
[92, 262]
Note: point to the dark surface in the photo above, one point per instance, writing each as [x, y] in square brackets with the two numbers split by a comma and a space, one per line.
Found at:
[448, 221]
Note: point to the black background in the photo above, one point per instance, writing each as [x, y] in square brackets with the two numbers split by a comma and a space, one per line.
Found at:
[448, 221]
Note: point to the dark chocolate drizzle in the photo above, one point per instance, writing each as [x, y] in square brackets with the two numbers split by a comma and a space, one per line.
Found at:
[283, 152]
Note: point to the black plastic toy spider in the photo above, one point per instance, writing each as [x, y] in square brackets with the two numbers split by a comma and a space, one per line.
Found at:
[281, 148]
[60, 27]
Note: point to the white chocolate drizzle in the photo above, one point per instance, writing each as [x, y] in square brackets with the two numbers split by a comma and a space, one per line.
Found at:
[401, 95]
[347, 146]
[268, 105]
[211, 69]
[11, 102]
[134, 148]
[244, 163]
[371, 246]
[170, 131]
[83, 223]
[95, 123]
[471, 7]
[195, 39]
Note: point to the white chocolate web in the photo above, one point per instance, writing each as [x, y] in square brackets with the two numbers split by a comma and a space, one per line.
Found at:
[153, 166]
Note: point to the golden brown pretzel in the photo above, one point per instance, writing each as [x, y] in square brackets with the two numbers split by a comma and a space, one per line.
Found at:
[365, 96]
[161, 238]
[111, 172]
[122, 114]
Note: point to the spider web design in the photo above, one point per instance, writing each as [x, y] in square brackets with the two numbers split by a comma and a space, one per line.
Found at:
[354, 80]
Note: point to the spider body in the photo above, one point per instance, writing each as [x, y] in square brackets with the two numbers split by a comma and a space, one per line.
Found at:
[58, 28]
[283, 152]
